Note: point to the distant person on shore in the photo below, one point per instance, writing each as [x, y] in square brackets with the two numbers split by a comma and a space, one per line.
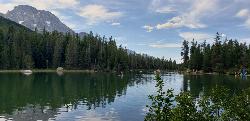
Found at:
[243, 71]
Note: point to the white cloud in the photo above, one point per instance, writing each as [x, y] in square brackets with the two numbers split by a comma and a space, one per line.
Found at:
[98, 13]
[148, 28]
[165, 45]
[40, 4]
[244, 14]
[5, 7]
[116, 24]
[68, 2]
[181, 21]
[165, 9]
[192, 17]
[197, 36]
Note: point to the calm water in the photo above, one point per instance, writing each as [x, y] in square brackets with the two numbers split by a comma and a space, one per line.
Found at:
[93, 97]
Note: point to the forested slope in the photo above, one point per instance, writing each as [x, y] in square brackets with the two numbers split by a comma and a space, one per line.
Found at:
[21, 48]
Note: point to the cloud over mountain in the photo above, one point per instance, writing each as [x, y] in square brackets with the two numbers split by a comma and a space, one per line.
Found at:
[98, 13]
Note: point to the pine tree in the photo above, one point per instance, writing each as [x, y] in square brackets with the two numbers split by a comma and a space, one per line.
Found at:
[2, 46]
[71, 61]
[216, 54]
[184, 53]
[206, 66]
[58, 51]
[11, 48]
[193, 55]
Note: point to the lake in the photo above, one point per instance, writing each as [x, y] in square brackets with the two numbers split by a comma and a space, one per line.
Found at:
[94, 97]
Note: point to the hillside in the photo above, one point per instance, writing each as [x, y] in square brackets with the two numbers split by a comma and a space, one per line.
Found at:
[20, 48]
[6, 23]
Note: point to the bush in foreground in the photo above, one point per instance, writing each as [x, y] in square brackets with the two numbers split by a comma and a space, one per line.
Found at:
[218, 106]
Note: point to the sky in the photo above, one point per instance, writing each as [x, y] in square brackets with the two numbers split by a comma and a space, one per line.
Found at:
[153, 27]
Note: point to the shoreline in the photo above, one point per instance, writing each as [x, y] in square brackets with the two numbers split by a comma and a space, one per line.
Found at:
[93, 71]
[210, 73]
[72, 70]
[47, 70]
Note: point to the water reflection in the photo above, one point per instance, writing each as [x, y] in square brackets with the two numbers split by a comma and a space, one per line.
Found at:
[99, 96]
[36, 92]
[205, 83]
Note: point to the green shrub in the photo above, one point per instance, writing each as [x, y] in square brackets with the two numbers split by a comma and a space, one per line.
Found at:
[218, 106]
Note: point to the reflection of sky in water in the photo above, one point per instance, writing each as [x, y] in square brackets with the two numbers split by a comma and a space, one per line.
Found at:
[130, 105]
[87, 115]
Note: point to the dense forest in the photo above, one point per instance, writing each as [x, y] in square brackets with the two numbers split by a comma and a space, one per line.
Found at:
[223, 55]
[21, 48]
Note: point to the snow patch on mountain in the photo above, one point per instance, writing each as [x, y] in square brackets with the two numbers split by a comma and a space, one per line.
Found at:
[20, 22]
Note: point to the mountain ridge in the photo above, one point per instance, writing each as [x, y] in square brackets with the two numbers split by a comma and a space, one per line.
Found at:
[33, 19]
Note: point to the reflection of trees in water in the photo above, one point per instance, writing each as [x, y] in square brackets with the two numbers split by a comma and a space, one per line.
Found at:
[141, 79]
[32, 113]
[205, 83]
[49, 89]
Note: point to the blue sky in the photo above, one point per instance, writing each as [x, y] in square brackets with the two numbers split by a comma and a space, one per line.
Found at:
[154, 27]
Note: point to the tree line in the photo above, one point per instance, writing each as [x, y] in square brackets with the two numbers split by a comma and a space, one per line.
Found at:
[23, 49]
[223, 55]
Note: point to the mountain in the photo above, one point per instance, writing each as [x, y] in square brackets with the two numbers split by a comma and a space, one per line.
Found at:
[6, 23]
[82, 34]
[33, 18]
